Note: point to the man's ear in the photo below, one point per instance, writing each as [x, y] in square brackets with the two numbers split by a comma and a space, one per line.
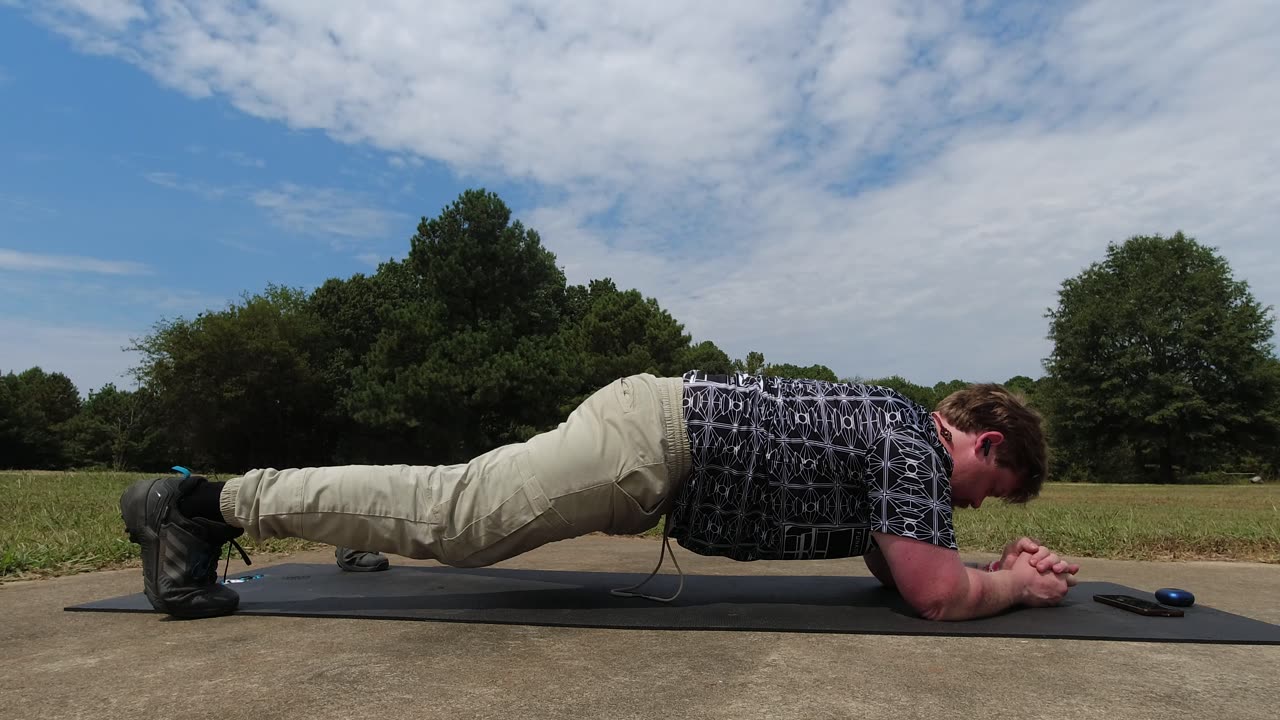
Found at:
[989, 440]
[941, 422]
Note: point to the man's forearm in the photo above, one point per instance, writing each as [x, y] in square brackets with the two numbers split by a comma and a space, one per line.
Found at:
[985, 594]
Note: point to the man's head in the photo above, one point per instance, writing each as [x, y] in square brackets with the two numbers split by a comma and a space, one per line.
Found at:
[996, 442]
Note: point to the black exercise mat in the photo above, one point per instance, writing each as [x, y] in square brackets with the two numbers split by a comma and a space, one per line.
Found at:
[709, 602]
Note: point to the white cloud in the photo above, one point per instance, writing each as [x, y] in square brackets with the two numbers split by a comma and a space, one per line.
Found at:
[341, 216]
[174, 181]
[32, 262]
[879, 186]
[109, 14]
[18, 206]
[114, 297]
[245, 247]
[234, 156]
[80, 325]
[327, 212]
[242, 159]
[400, 162]
[91, 357]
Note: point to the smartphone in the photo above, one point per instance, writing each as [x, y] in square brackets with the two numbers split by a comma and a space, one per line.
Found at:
[1138, 605]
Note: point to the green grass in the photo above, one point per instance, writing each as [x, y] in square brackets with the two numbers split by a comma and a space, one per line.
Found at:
[54, 523]
[1136, 522]
[61, 523]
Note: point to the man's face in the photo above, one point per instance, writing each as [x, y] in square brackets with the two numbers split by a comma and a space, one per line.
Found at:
[973, 481]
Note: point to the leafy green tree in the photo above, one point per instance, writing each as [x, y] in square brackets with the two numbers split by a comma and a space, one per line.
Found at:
[10, 424]
[487, 271]
[1268, 455]
[477, 359]
[918, 394]
[752, 365]
[236, 388]
[35, 409]
[706, 356]
[1022, 385]
[117, 429]
[352, 313]
[622, 333]
[1159, 350]
[755, 364]
[812, 372]
[942, 389]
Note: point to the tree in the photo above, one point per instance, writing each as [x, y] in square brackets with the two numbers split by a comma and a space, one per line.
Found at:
[1022, 385]
[1159, 350]
[487, 271]
[706, 356]
[1269, 455]
[752, 365]
[918, 394]
[942, 389]
[117, 429]
[755, 364]
[620, 333]
[35, 408]
[812, 372]
[351, 315]
[477, 359]
[236, 388]
[10, 425]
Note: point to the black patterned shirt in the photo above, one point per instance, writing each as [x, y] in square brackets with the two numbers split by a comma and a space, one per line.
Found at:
[804, 469]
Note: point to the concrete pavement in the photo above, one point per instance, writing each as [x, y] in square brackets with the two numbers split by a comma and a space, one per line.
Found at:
[94, 665]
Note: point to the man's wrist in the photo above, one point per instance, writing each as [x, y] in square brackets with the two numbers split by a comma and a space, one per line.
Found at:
[988, 594]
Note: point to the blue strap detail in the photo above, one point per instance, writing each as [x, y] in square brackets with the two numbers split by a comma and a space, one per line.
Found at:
[181, 470]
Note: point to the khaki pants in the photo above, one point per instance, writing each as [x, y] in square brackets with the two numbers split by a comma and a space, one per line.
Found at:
[612, 467]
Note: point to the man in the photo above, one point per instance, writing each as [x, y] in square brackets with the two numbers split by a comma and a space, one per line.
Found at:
[744, 467]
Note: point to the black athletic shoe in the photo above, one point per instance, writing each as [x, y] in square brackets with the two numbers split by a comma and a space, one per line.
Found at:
[360, 560]
[179, 554]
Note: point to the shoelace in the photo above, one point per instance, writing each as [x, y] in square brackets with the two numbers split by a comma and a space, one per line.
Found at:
[662, 554]
[243, 554]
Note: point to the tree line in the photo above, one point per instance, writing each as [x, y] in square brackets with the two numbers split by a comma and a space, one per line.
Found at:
[1162, 365]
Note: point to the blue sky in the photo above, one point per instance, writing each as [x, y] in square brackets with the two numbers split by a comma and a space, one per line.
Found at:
[892, 187]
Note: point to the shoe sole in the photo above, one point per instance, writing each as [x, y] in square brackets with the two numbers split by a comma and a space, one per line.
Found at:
[133, 510]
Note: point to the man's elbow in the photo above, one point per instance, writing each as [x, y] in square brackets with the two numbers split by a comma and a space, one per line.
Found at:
[937, 611]
[881, 571]
[940, 603]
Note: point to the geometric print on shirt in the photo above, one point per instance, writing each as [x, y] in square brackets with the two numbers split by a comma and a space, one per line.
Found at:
[806, 469]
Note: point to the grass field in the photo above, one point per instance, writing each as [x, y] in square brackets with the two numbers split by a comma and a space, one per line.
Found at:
[55, 523]
[1137, 522]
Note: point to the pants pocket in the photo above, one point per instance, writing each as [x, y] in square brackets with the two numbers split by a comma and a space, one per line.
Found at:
[625, 391]
[639, 500]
